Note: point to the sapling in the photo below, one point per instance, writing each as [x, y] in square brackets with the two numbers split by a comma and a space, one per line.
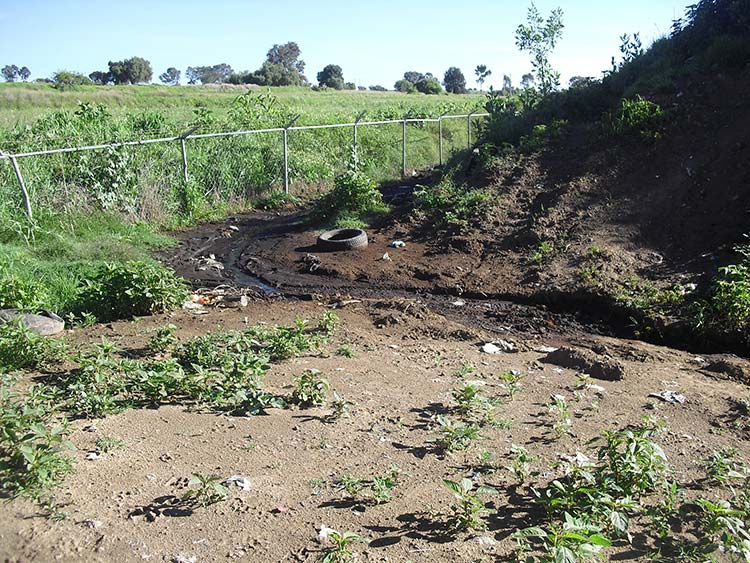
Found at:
[210, 489]
[511, 382]
[340, 408]
[467, 513]
[455, 435]
[310, 389]
[520, 466]
[559, 407]
[340, 551]
[722, 465]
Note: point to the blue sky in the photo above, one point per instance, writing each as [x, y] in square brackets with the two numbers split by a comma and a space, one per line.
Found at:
[374, 42]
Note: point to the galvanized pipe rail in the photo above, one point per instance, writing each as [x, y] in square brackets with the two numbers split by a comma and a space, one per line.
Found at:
[192, 135]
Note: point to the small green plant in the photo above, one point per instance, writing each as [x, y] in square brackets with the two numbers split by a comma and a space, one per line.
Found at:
[353, 194]
[467, 513]
[511, 382]
[163, 339]
[455, 435]
[466, 368]
[472, 406]
[22, 348]
[209, 489]
[724, 526]
[32, 441]
[350, 484]
[543, 253]
[637, 115]
[340, 408]
[340, 551]
[328, 322]
[124, 290]
[559, 408]
[311, 390]
[520, 465]
[722, 465]
[346, 351]
[379, 486]
[278, 200]
[108, 444]
[575, 541]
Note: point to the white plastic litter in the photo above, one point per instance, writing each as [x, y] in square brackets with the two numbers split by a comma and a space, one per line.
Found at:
[323, 534]
[397, 244]
[240, 480]
[669, 396]
[498, 347]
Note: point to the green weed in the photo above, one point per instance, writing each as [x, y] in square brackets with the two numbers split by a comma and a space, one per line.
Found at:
[310, 389]
[22, 348]
[466, 514]
[209, 489]
[455, 436]
[340, 551]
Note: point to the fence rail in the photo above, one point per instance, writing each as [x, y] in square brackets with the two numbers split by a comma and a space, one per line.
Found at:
[191, 134]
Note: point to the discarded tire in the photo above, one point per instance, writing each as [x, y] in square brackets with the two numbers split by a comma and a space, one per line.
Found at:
[44, 325]
[342, 239]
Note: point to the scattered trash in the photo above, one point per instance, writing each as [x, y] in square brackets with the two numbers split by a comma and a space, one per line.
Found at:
[669, 396]
[184, 559]
[94, 524]
[323, 534]
[386, 257]
[207, 262]
[92, 456]
[545, 349]
[90, 427]
[278, 509]
[485, 540]
[499, 347]
[397, 244]
[458, 303]
[579, 459]
[344, 303]
[240, 480]
[195, 308]
[311, 261]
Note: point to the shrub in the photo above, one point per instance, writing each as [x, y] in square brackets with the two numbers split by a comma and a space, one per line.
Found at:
[636, 115]
[31, 442]
[353, 194]
[450, 207]
[19, 293]
[117, 291]
[22, 348]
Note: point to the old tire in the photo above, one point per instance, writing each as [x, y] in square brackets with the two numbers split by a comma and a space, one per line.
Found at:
[44, 325]
[342, 239]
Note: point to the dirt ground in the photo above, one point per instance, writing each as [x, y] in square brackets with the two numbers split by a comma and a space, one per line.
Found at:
[402, 373]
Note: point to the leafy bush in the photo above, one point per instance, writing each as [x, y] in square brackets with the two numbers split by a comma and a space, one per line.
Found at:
[636, 115]
[32, 441]
[21, 293]
[450, 207]
[117, 291]
[22, 348]
[354, 194]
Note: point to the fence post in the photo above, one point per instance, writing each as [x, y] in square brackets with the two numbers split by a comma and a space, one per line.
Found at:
[356, 154]
[19, 177]
[468, 130]
[403, 150]
[182, 139]
[286, 153]
[440, 135]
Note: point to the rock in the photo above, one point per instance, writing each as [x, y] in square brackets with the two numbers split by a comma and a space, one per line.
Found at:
[484, 540]
[44, 325]
[587, 361]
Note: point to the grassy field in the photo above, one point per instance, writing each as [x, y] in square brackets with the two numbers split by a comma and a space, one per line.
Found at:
[22, 104]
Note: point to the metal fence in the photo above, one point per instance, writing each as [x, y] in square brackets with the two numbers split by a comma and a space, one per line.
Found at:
[289, 127]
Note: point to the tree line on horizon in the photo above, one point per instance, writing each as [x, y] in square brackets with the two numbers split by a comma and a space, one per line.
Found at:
[282, 67]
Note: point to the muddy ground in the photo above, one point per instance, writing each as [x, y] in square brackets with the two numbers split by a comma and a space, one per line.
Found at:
[411, 337]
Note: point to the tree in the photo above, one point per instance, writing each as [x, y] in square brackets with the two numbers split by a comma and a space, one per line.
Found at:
[527, 80]
[454, 81]
[10, 73]
[378, 88]
[207, 74]
[482, 73]
[539, 37]
[332, 77]
[507, 85]
[429, 85]
[99, 77]
[171, 76]
[134, 70]
[283, 66]
[64, 78]
[413, 76]
[24, 73]
[404, 85]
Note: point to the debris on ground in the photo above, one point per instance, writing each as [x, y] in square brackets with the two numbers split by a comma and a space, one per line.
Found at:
[670, 397]
[386, 257]
[323, 534]
[311, 262]
[598, 366]
[240, 480]
[209, 262]
[397, 244]
[499, 347]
